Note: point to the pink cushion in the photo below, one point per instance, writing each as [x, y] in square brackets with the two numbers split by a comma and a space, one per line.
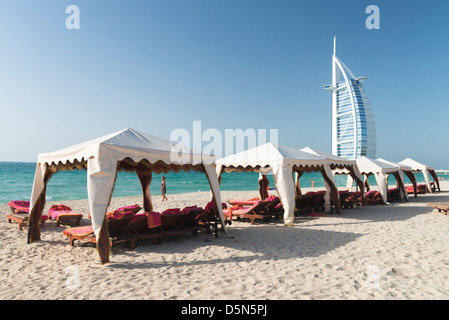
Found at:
[134, 208]
[81, 231]
[171, 211]
[20, 205]
[154, 219]
[60, 209]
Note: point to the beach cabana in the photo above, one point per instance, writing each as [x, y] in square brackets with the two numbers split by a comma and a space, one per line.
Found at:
[282, 162]
[407, 170]
[126, 150]
[341, 165]
[426, 171]
[380, 171]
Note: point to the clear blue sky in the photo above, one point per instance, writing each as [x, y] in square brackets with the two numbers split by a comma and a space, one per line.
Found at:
[160, 65]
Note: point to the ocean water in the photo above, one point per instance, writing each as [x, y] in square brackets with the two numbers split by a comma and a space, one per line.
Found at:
[16, 182]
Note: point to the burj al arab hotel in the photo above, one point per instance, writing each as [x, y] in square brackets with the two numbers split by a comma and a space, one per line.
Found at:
[353, 128]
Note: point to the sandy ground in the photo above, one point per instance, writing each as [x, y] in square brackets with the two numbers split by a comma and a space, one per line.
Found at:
[395, 251]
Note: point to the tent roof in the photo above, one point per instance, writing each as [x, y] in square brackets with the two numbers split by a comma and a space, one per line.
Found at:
[122, 144]
[415, 165]
[332, 158]
[367, 165]
[403, 167]
[270, 154]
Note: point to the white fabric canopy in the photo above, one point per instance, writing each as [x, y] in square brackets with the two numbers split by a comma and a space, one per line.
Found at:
[282, 161]
[339, 165]
[402, 168]
[102, 157]
[425, 169]
[380, 170]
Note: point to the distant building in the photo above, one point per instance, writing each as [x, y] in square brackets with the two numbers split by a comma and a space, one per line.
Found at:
[353, 128]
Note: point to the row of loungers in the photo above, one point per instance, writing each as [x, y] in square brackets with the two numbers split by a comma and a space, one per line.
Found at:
[126, 224]
[314, 201]
[252, 209]
[420, 189]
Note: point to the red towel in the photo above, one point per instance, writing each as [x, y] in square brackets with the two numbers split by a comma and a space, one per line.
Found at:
[154, 219]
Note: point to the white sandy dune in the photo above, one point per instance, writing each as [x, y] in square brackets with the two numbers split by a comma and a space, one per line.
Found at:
[396, 251]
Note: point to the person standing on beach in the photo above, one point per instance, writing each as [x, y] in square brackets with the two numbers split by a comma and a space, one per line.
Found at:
[163, 189]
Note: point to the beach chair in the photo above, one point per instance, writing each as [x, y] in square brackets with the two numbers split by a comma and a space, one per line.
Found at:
[146, 226]
[20, 211]
[117, 223]
[274, 207]
[256, 211]
[318, 200]
[304, 202]
[243, 202]
[348, 199]
[393, 194]
[61, 213]
[188, 220]
[170, 218]
[410, 189]
[208, 218]
[441, 206]
[372, 197]
[421, 188]
[311, 201]
[353, 199]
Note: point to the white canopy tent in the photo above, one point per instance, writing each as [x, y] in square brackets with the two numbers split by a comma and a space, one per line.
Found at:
[128, 150]
[380, 170]
[341, 165]
[407, 170]
[425, 169]
[282, 162]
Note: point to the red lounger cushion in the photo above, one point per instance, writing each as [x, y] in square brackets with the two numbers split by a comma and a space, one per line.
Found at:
[80, 232]
[20, 205]
[60, 209]
[172, 211]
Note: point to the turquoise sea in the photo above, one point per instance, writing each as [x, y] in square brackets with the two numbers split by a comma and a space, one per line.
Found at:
[16, 182]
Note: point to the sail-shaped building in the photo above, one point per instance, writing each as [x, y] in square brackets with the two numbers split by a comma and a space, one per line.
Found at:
[353, 127]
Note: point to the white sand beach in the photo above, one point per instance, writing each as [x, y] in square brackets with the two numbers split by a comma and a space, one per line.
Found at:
[395, 251]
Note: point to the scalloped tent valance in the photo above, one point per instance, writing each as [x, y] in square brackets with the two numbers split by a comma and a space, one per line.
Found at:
[128, 150]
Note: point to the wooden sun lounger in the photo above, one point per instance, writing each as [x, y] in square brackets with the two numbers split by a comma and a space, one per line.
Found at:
[116, 228]
[20, 213]
[372, 198]
[61, 214]
[256, 211]
[349, 199]
[393, 194]
[441, 206]
[311, 201]
[208, 218]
